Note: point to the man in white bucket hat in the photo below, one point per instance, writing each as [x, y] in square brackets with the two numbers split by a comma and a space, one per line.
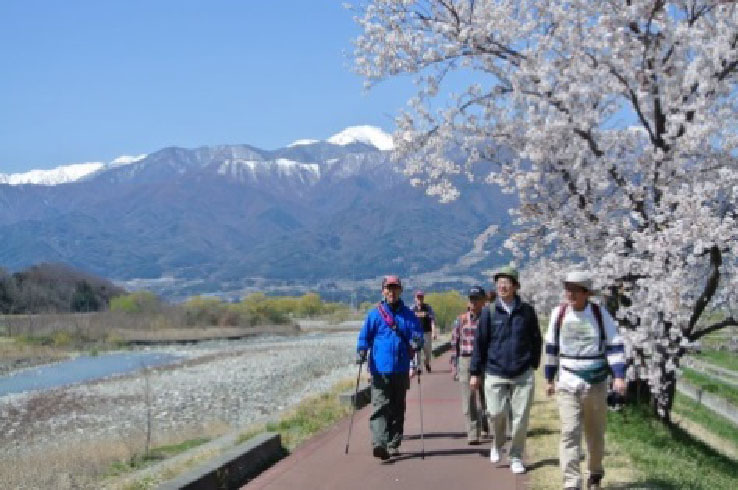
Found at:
[583, 341]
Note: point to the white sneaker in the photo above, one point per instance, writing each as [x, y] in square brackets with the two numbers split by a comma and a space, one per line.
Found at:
[494, 454]
[516, 466]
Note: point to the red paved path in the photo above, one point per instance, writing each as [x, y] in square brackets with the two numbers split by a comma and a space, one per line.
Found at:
[449, 462]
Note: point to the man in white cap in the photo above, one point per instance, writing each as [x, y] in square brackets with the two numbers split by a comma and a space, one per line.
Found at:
[583, 341]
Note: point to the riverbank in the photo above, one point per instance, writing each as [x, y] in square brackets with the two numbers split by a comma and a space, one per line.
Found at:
[16, 356]
[78, 431]
[22, 352]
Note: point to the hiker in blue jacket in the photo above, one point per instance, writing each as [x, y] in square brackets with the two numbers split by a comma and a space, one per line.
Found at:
[390, 334]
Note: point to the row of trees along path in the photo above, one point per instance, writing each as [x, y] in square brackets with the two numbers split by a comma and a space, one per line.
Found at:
[614, 124]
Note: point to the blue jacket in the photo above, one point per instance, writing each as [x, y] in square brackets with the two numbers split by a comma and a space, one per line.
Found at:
[506, 345]
[390, 347]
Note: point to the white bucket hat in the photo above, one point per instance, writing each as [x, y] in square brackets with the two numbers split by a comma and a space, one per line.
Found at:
[579, 278]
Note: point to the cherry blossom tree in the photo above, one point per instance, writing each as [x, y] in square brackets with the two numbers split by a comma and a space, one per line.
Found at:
[614, 122]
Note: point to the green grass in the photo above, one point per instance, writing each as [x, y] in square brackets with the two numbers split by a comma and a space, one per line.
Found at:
[138, 461]
[711, 385]
[309, 417]
[721, 358]
[708, 419]
[667, 456]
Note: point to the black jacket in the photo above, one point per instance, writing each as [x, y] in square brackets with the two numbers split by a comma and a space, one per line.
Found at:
[506, 344]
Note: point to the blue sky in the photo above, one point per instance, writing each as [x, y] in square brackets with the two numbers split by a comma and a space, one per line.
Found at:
[90, 80]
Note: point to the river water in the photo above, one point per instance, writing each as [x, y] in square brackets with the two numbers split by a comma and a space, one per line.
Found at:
[80, 369]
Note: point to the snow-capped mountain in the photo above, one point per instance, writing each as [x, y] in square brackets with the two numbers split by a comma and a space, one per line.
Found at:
[65, 173]
[233, 217]
[369, 135]
[54, 176]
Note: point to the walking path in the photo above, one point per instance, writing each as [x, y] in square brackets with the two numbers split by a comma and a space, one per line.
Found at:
[441, 460]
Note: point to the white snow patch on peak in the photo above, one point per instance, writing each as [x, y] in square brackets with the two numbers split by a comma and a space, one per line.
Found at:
[363, 134]
[54, 176]
[127, 160]
[302, 142]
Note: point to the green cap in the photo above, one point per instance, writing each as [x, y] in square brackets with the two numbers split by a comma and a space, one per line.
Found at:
[507, 271]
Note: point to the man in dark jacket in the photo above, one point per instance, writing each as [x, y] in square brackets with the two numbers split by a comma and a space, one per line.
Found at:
[507, 350]
[392, 333]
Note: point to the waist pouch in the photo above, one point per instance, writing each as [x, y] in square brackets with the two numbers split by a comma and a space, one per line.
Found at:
[592, 375]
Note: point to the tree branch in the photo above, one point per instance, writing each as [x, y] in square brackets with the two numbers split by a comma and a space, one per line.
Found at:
[728, 322]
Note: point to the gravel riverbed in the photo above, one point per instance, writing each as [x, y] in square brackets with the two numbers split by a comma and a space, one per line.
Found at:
[233, 383]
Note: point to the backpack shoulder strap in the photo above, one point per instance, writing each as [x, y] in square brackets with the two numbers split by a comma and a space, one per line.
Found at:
[559, 320]
[600, 323]
[391, 323]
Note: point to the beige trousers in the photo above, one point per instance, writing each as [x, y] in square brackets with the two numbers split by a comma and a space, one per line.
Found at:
[518, 393]
[585, 409]
[474, 413]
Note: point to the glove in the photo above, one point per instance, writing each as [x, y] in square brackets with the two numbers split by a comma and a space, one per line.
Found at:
[361, 357]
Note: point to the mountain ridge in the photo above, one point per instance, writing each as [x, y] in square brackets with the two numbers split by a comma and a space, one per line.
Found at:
[231, 218]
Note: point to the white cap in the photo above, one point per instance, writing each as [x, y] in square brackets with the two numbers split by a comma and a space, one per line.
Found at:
[579, 278]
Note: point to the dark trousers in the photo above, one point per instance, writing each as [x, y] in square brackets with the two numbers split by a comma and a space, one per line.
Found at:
[388, 409]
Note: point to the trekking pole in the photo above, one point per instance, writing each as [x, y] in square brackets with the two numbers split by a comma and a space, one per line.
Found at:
[420, 403]
[354, 402]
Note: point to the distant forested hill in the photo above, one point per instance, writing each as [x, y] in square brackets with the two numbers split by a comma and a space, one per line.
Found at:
[54, 288]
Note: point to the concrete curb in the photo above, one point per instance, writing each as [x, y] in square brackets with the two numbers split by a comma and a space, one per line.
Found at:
[721, 406]
[234, 467]
[364, 395]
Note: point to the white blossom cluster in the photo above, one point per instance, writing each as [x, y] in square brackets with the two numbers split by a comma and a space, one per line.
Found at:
[614, 122]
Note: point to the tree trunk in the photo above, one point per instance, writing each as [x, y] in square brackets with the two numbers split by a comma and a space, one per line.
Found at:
[663, 399]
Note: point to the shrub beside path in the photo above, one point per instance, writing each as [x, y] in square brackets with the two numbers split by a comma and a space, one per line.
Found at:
[449, 462]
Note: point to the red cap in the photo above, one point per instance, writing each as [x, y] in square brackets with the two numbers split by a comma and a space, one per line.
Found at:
[391, 280]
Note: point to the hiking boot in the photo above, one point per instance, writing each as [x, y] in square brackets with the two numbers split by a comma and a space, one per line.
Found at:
[381, 453]
[516, 466]
[593, 482]
[494, 454]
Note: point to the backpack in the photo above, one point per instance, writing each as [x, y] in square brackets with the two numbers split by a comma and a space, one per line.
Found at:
[600, 323]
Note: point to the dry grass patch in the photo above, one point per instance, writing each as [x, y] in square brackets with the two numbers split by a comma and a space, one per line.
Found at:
[92, 463]
[18, 355]
[295, 426]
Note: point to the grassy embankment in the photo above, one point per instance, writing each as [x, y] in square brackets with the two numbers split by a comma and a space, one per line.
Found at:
[721, 358]
[641, 452]
[711, 385]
